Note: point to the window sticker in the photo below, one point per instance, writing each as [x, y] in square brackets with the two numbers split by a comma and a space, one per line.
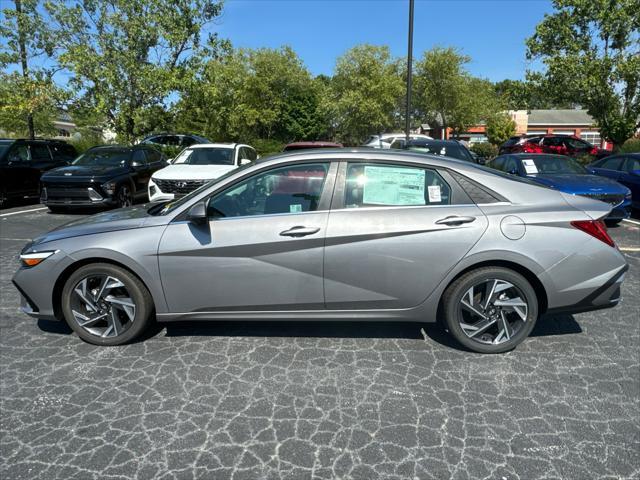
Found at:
[393, 186]
[434, 193]
[530, 166]
[295, 208]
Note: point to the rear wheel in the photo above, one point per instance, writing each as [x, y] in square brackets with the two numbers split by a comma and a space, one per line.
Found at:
[491, 309]
[106, 305]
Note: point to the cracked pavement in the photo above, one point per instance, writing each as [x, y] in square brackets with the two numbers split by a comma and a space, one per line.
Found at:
[317, 400]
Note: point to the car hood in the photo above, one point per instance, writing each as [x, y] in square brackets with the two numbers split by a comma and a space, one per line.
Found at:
[574, 183]
[85, 171]
[120, 219]
[192, 172]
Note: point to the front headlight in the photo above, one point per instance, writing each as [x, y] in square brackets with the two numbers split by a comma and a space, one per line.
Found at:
[109, 187]
[627, 196]
[34, 258]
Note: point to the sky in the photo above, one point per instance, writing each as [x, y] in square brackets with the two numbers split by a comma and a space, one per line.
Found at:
[491, 32]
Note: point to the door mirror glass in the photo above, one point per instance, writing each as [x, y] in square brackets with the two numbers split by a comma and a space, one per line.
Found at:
[198, 213]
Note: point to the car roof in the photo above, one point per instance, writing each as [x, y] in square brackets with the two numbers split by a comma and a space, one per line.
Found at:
[311, 144]
[217, 145]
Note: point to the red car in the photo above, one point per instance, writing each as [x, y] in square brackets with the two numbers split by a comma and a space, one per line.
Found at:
[569, 145]
[308, 145]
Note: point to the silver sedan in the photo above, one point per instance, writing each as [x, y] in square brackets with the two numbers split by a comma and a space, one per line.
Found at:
[333, 235]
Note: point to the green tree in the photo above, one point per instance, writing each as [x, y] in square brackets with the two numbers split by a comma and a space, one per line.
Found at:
[500, 127]
[249, 94]
[364, 93]
[29, 96]
[447, 94]
[129, 56]
[590, 51]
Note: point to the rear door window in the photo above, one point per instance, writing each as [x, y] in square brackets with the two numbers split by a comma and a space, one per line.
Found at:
[384, 185]
[40, 153]
[611, 163]
[632, 164]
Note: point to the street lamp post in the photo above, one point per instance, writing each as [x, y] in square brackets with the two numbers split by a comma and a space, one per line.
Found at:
[409, 71]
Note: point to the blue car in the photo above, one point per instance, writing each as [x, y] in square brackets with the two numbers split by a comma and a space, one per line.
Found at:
[565, 174]
[623, 168]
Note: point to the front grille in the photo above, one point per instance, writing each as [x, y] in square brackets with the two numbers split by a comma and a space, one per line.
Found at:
[67, 193]
[178, 187]
[610, 198]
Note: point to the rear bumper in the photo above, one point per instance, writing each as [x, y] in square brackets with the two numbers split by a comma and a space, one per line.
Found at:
[606, 296]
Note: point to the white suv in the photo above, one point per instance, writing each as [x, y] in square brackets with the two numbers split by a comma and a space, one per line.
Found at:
[197, 165]
[386, 139]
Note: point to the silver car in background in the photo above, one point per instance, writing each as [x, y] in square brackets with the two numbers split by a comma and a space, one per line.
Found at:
[356, 234]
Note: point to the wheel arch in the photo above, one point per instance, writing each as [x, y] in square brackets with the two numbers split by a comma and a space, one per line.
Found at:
[530, 276]
[68, 271]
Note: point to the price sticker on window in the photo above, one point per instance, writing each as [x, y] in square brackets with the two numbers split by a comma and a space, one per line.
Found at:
[530, 166]
[434, 194]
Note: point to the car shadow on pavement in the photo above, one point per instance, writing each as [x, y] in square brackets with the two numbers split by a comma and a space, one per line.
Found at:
[546, 326]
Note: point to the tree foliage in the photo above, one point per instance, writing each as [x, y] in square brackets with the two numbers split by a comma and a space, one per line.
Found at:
[500, 127]
[29, 99]
[590, 49]
[129, 56]
[447, 94]
[364, 93]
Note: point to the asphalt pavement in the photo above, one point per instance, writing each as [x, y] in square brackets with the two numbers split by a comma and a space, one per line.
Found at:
[323, 400]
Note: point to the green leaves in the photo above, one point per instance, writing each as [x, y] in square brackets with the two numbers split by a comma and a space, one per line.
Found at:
[591, 53]
[500, 127]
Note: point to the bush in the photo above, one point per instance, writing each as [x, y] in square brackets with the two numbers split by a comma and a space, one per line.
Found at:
[631, 146]
[85, 142]
[585, 158]
[485, 150]
[170, 151]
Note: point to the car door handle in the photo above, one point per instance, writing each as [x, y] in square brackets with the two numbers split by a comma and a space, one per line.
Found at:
[455, 220]
[300, 231]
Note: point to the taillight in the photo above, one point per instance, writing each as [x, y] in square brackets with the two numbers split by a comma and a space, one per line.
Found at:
[595, 228]
[594, 151]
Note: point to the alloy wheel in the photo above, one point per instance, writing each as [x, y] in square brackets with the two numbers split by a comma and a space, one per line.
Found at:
[493, 311]
[102, 305]
[124, 197]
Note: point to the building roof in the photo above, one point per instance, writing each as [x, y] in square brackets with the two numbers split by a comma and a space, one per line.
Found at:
[560, 117]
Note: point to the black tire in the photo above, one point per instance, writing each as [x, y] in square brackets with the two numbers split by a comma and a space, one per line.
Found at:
[134, 288]
[124, 196]
[612, 223]
[57, 209]
[453, 310]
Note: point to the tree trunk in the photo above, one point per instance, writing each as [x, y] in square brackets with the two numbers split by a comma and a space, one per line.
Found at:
[22, 47]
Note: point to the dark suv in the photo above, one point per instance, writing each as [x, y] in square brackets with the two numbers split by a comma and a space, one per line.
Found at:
[22, 163]
[102, 176]
[569, 145]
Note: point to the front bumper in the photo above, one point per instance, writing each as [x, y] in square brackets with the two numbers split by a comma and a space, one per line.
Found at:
[157, 195]
[75, 197]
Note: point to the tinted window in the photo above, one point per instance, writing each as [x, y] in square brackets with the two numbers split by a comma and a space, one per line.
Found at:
[498, 163]
[291, 189]
[40, 153]
[511, 142]
[3, 148]
[510, 165]
[205, 156]
[19, 153]
[377, 185]
[188, 141]
[103, 157]
[577, 144]
[611, 163]
[632, 163]
[153, 156]
[63, 151]
[139, 157]
[253, 156]
[553, 141]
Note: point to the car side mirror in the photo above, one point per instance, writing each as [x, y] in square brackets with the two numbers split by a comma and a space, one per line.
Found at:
[198, 212]
[244, 161]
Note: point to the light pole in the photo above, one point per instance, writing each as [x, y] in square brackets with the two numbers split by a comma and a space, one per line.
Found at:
[409, 71]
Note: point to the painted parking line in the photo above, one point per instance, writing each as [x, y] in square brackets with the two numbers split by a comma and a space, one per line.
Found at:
[635, 222]
[22, 211]
[629, 249]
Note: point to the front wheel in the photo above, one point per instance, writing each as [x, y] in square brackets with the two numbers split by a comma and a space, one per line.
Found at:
[491, 309]
[106, 305]
[124, 197]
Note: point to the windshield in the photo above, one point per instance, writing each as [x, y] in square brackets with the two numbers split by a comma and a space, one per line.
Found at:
[103, 157]
[205, 156]
[171, 206]
[508, 176]
[552, 164]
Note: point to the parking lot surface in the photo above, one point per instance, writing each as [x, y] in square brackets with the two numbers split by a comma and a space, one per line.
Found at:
[317, 400]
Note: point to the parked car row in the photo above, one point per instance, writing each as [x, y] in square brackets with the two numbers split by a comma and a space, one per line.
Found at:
[569, 145]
